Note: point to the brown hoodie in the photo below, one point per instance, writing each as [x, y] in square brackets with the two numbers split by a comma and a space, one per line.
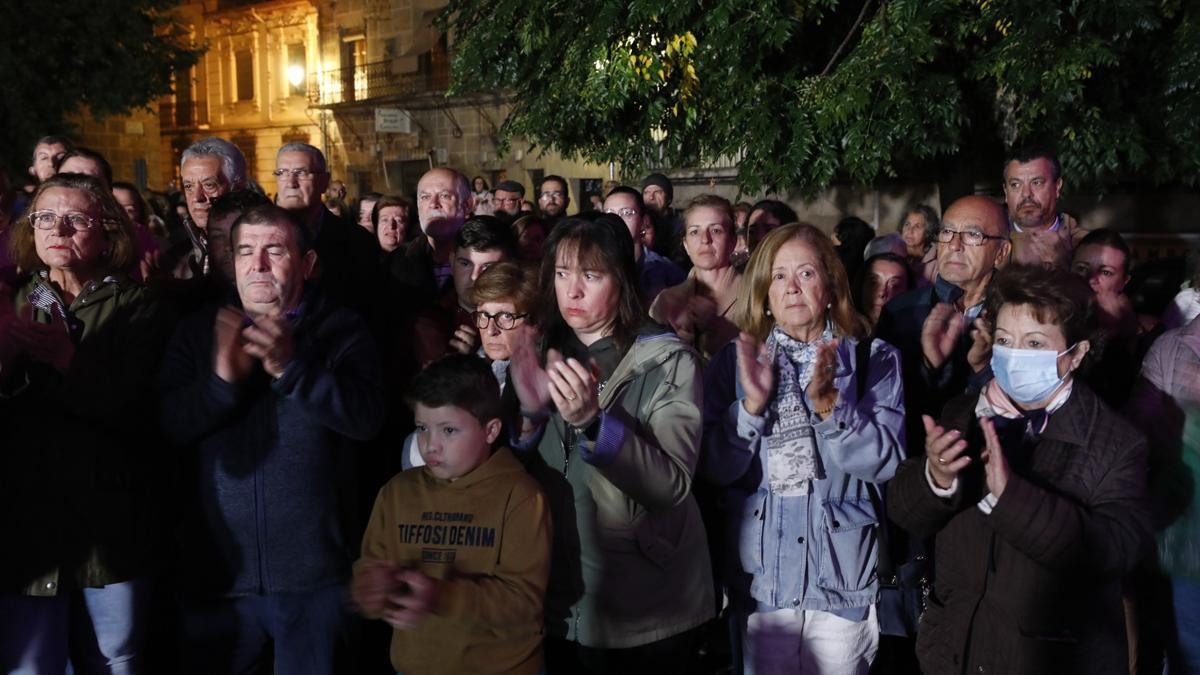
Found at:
[486, 538]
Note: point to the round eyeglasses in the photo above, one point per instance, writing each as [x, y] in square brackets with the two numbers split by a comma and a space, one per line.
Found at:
[504, 320]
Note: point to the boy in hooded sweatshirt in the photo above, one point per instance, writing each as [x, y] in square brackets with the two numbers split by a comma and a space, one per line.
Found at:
[457, 552]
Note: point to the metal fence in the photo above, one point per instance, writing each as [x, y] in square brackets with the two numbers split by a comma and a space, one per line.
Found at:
[373, 81]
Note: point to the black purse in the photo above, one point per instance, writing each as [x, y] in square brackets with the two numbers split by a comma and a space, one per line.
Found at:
[903, 589]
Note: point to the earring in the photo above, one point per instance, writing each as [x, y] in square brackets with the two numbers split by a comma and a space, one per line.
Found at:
[829, 305]
[767, 311]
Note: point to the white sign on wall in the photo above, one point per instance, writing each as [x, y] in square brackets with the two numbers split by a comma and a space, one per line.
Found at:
[392, 121]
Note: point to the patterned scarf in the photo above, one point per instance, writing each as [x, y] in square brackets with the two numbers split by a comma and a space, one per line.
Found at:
[790, 443]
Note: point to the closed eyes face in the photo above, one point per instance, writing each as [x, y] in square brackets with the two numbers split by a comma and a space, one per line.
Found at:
[452, 441]
[269, 269]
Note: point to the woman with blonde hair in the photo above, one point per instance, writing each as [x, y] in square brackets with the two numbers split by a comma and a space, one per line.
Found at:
[803, 418]
[703, 308]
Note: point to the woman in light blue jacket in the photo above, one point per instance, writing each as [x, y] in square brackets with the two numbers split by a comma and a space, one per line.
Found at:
[801, 424]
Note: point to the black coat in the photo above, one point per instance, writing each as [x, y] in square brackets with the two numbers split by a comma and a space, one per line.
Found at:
[1034, 587]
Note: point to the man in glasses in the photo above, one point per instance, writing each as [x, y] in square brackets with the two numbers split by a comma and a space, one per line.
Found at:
[507, 199]
[553, 199]
[935, 328]
[655, 272]
[348, 254]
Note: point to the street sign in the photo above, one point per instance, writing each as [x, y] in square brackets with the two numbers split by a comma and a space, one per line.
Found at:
[392, 121]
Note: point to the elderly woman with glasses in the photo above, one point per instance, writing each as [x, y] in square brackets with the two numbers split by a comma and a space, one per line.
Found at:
[77, 344]
[803, 419]
[1036, 493]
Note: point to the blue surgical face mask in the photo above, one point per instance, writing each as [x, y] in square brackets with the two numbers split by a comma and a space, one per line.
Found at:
[1027, 375]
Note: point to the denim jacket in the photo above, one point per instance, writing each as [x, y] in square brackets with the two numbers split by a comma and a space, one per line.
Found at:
[816, 551]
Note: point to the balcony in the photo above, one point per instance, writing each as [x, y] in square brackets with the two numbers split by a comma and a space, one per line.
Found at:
[374, 81]
[183, 115]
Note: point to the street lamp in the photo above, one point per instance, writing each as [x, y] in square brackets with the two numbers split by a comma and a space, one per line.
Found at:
[295, 75]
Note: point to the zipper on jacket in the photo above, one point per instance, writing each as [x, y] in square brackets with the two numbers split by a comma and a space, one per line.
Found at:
[568, 445]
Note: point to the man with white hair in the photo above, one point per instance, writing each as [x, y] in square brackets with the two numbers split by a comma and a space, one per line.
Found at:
[348, 255]
[209, 168]
[444, 199]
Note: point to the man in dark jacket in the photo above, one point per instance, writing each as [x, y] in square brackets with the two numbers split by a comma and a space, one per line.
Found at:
[270, 395]
[348, 255]
[934, 327]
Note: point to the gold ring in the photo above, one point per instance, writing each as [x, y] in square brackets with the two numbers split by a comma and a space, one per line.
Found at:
[941, 461]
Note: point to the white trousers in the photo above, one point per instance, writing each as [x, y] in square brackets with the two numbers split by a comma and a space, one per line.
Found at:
[808, 642]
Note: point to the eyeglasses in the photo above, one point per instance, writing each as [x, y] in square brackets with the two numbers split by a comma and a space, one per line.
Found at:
[298, 174]
[511, 201]
[48, 220]
[969, 237]
[211, 186]
[624, 213]
[504, 320]
[552, 194]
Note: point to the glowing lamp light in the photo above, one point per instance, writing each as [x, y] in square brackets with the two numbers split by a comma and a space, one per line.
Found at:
[295, 75]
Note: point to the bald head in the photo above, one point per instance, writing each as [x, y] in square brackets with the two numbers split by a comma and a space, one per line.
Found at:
[986, 212]
[968, 260]
[444, 201]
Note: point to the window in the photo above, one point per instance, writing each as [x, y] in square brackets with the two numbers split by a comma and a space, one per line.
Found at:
[297, 70]
[244, 74]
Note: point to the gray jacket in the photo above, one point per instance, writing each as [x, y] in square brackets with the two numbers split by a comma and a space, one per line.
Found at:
[630, 560]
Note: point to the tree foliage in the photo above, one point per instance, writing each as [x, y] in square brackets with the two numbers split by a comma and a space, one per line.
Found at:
[809, 91]
[58, 57]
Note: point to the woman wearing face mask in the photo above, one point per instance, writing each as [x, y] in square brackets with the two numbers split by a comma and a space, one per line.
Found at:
[1035, 490]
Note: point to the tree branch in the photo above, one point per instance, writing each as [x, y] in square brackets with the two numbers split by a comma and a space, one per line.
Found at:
[862, 14]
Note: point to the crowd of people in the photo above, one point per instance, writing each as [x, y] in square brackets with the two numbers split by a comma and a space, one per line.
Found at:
[465, 432]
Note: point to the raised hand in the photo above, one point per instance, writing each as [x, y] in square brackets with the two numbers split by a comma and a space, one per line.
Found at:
[820, 389]
[756, 374]
[944, 453]
[573, 390]
[980, 354]
[995, 464]
[230, 361]
[529, 379]
[269, 340]
[465, 340]
[940, 333]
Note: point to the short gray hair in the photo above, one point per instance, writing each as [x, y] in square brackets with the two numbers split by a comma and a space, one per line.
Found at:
[317, 156]
[233, 164]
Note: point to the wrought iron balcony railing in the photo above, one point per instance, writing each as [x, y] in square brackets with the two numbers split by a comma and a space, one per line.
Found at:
[372, 81]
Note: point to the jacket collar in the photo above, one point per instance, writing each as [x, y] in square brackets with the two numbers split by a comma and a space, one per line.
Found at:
[944, 291]
[1072, 422]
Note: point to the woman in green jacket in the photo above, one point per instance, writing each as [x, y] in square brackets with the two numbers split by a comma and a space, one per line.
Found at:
[78, 342]
[614, 415]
